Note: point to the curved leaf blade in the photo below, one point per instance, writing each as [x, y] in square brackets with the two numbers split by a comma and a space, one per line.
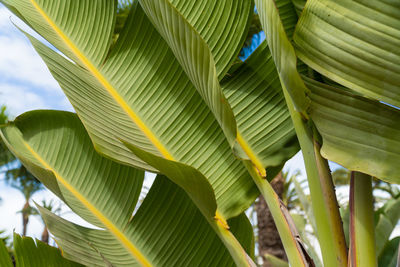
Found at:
[195, 57]
[5, 259]
[187, 177]
[167, 227]
[222, 25]
[388, 217]
[256, 98]
[73, 37]
[55, 143]
[354, 43]
[358, 133]
[104, 106]
[283, 54]
[27, 253]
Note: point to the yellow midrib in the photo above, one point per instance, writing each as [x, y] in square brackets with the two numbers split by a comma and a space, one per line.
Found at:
[115, 95]
[107, 223]
[104, 82]
[252, 156]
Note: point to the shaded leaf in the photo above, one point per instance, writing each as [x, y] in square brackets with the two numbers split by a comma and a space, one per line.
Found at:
[355, 43]
[359, 134]
[36, 253]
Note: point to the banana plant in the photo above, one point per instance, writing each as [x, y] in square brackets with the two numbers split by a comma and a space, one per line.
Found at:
[29, 252]
[162, 96]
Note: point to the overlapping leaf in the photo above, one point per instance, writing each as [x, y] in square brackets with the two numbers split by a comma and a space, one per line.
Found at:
[167, 228]
[282, 51]
[360, 134]
[69, 25]
[355, 43]
[28, 254]
[55, 147]
[386, 219]
[5, 259]
[142, 96]
[221, 24]
[195, 57]
[255, 95]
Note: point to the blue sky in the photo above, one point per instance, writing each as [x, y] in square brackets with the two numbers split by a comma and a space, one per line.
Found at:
[26, 84]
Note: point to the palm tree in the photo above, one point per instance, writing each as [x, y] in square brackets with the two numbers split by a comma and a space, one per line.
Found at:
[21, 179]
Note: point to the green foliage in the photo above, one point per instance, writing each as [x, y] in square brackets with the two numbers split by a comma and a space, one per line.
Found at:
[150, 84]
[389, 257]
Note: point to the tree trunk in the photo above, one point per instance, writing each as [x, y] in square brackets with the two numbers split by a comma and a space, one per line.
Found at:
[25, 218]
[268, 236]
[45, 235]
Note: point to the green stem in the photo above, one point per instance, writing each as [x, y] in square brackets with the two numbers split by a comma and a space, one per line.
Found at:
[236, 250]
[282, 219]
[362, 231]
[324, 203]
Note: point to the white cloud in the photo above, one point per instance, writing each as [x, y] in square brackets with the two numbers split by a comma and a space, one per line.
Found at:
[20, 62]
[19, 99]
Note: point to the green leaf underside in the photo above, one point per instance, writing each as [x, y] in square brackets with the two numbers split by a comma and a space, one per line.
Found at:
[275, 261]
[167, 228]
[255, 94]
[387, 219]
[355, 43]
[388, 257]
[359, 134]
[195, 57]
[28, 254]
[5, 259]
[77, 19]
[221, 24]
[283, 52]
[58, 139]
[187, 177]
[145, 74]
[288, 16]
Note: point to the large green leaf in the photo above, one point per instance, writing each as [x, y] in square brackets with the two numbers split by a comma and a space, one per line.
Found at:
[168, 229]
[355, 43]
[287, 10]
[195, 57]
[187, 177]
[221, 24]
[5, 259]
[141, 95]
[205, 36]
[386, 219]
[255, 95]
[69, 25]
[274, 261]
[55, 147]
[389, 256]
[194, 54]
[282, 51]
[359, 134]
[28, 254]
